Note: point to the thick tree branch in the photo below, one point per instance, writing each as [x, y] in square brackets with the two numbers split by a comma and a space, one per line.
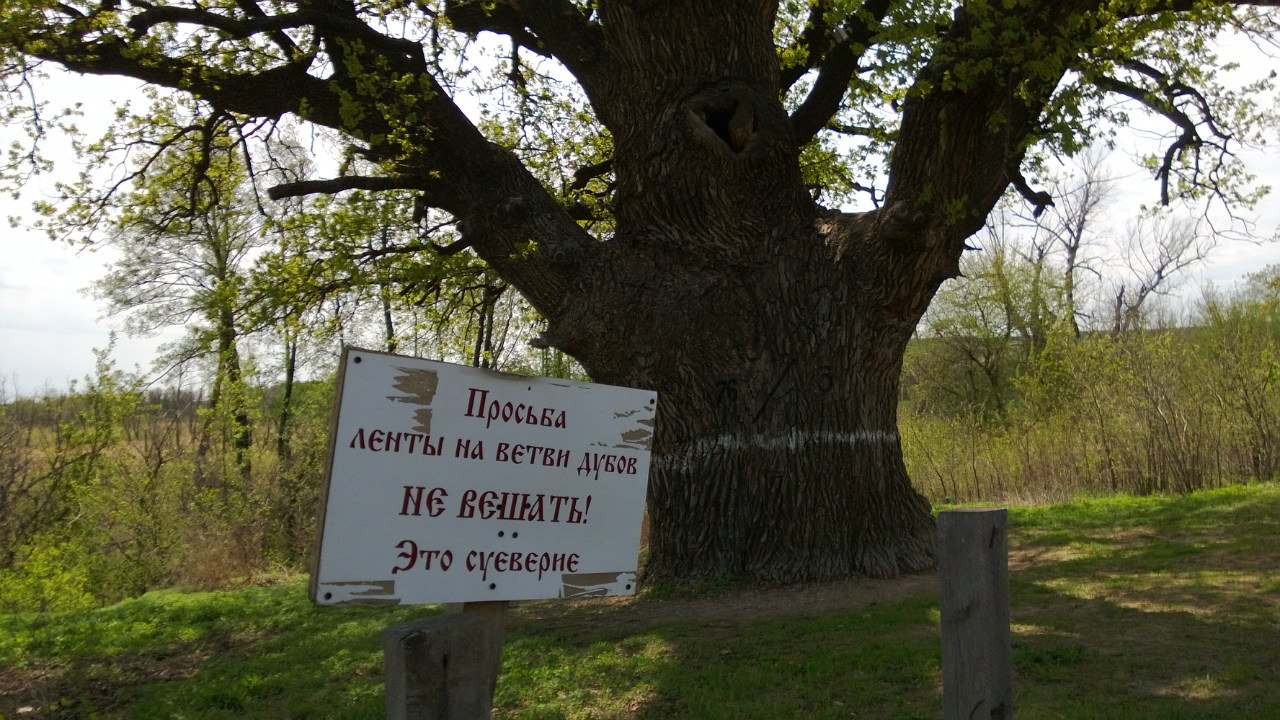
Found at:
[837, 69]
[272, 25]
[1164, 102]
[336, 185]
[959, 138]
[272, 92]
[815, 39]
[551, 28]
[978, 128]
[143, 22]
[502, 209]
[1039, 199]
[279, 37]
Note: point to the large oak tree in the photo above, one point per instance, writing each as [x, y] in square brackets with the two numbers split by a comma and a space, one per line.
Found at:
[691, 251]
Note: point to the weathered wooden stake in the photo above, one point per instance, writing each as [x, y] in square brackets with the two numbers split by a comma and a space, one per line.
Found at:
[438, 669]
[973, 560]
[494, 615]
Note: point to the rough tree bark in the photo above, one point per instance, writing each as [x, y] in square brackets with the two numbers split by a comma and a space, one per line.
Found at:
[773, 330]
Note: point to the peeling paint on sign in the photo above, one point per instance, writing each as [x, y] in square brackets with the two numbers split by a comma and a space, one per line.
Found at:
[584, 585]
[360, 592]
[419, 387]
[641, 437]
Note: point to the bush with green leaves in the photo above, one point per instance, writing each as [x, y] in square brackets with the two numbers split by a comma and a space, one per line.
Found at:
[1147, 411]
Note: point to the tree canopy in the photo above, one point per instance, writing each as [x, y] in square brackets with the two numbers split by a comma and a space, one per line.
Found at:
[664, 180]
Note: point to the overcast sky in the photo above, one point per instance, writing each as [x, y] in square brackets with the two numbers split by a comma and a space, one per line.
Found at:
[49, 326]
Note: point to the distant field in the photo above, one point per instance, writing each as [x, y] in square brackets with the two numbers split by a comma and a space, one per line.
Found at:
[1156, 607]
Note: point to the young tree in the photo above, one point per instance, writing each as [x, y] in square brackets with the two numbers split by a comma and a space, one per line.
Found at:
[184, 223]
[657, 205]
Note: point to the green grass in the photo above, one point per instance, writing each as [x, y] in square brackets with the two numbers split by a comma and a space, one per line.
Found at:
[694, 668]
[258, 652]
[1157, 607]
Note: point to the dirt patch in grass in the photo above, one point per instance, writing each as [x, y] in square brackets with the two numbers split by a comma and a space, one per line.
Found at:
[733, 605]
[752, 604]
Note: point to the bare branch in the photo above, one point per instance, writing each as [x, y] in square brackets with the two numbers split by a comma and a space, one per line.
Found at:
[1158, 250]
[584, 175]
[1164, 100]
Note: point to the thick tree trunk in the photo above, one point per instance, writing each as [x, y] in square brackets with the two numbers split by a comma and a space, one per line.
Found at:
[777, 455]
[773, 330]
[791, 472]
[774, 333]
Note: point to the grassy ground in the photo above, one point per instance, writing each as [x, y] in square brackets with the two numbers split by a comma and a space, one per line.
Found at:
[1122, 608]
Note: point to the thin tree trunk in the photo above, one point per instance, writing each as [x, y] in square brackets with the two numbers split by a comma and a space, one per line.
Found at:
[241, 424]
[284, 450]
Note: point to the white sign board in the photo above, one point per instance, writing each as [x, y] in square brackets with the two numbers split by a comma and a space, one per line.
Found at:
[453, 484]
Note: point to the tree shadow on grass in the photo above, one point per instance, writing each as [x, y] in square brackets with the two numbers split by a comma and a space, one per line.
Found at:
[1176, 615]
[1167, 614]
[1094, 638]
[1130, 654]
[879, 661]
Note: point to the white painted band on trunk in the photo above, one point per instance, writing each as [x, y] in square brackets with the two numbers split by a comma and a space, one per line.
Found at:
[793, 441]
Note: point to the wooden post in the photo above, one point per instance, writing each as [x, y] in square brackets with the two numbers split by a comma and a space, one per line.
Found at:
[973, 559]
[494, 616]
[438, 669]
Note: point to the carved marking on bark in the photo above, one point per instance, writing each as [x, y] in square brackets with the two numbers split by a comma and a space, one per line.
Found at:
[726, 392]
[695, 452]
[786, 370]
